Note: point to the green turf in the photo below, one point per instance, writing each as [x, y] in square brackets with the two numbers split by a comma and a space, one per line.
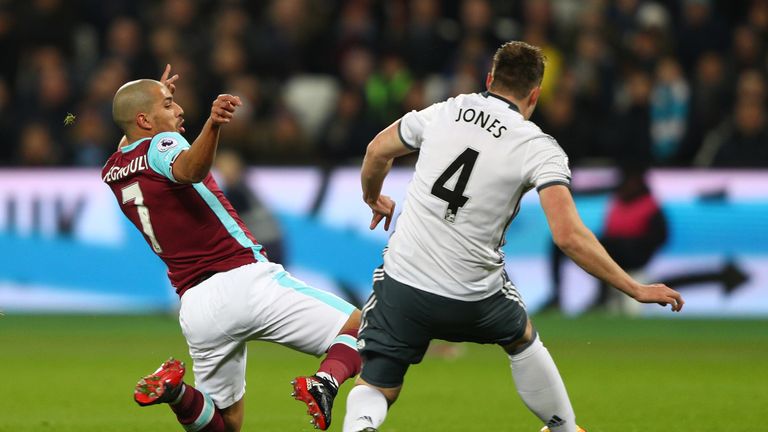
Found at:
[76, 373]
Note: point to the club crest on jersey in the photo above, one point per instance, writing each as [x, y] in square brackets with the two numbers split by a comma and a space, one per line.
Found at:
[166, 144]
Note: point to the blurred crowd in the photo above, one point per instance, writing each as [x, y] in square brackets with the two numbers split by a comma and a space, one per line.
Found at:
[675, 83]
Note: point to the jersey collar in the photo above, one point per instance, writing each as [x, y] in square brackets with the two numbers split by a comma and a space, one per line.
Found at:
[511, 104]
[131, 146]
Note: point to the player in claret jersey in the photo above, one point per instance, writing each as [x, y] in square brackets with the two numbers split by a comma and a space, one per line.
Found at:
[230, 293]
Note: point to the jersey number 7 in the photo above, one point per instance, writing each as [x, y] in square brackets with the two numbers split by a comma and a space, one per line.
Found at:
[455, 198]
[132, 192]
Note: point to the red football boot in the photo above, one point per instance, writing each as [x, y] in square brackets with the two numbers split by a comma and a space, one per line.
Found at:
[318, 393]
[162, 386]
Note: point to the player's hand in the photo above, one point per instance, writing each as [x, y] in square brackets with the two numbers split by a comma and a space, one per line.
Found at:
[661, 294]
[383, 208]
[223, 109]
[169, 82]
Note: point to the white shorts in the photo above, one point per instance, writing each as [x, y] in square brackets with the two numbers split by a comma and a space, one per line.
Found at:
[258, 301]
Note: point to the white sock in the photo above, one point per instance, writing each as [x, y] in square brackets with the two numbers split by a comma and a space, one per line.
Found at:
[539, 384]
[366, 407]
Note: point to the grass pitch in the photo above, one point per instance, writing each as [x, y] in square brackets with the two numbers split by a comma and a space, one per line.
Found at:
[76, 373]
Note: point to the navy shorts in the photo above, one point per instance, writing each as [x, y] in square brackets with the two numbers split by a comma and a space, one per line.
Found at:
[399, 322]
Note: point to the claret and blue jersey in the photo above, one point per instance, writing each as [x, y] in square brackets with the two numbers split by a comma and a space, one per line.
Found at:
[191, 227]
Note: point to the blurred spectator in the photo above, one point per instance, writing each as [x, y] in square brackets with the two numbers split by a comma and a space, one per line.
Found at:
[290, 39]
[164, 42]
[752, 85]
[231, 176]
[184, 17]
[710, 100]
[37, 147]
[669, 111]
[464, 79]
[103, 82]
[635, 229]
[537, 14]
[478, 23]
[429, 38]
[357, 25]
[349, 129]
[645, 49]
[356, 67]
[92, 138]
[628, 134]
[622, 18]
[537, 35]
[125, 43]
[386, 89]
[757, 17]
[228, 59]
[593, 76]
[740, 143]
[280, 140]
[7, 125]
[470, 64]
[9, 45]
[561, 119]
[231, 22]
[45, 92]
[240, 132]
[747, 51]
[46, 23]
[700, 31]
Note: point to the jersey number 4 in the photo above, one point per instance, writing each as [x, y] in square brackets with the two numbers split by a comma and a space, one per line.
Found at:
[455, 198]
[132, 192]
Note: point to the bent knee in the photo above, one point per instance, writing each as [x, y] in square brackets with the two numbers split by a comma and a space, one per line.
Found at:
[353, 322]
[390, 393]
[525, 340]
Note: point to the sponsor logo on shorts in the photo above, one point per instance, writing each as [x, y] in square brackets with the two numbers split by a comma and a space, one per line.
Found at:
[360, 344]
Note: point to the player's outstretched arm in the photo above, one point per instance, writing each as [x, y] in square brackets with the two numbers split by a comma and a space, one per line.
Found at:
[193, 165]
[381, 151]
[580, 244]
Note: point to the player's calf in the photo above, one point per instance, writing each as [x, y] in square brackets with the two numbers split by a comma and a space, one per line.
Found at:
[318, 391]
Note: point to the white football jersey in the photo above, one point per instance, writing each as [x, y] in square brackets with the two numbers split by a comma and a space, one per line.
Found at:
[477, 158]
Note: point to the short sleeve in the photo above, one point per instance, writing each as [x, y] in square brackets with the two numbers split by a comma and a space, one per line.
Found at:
[412, 125]
[546, 164]
[163, 151]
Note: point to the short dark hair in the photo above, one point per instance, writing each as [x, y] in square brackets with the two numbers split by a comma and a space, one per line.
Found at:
[518, 67]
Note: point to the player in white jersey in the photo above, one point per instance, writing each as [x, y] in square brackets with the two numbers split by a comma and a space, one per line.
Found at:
[443, 274]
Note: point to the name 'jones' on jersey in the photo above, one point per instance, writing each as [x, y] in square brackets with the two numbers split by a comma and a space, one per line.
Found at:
[481, 119]
[191, 227]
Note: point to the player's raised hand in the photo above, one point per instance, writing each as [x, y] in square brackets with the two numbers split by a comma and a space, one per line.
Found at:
[223, 109]
[383, 208]
[661, 294]
[169, 82]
